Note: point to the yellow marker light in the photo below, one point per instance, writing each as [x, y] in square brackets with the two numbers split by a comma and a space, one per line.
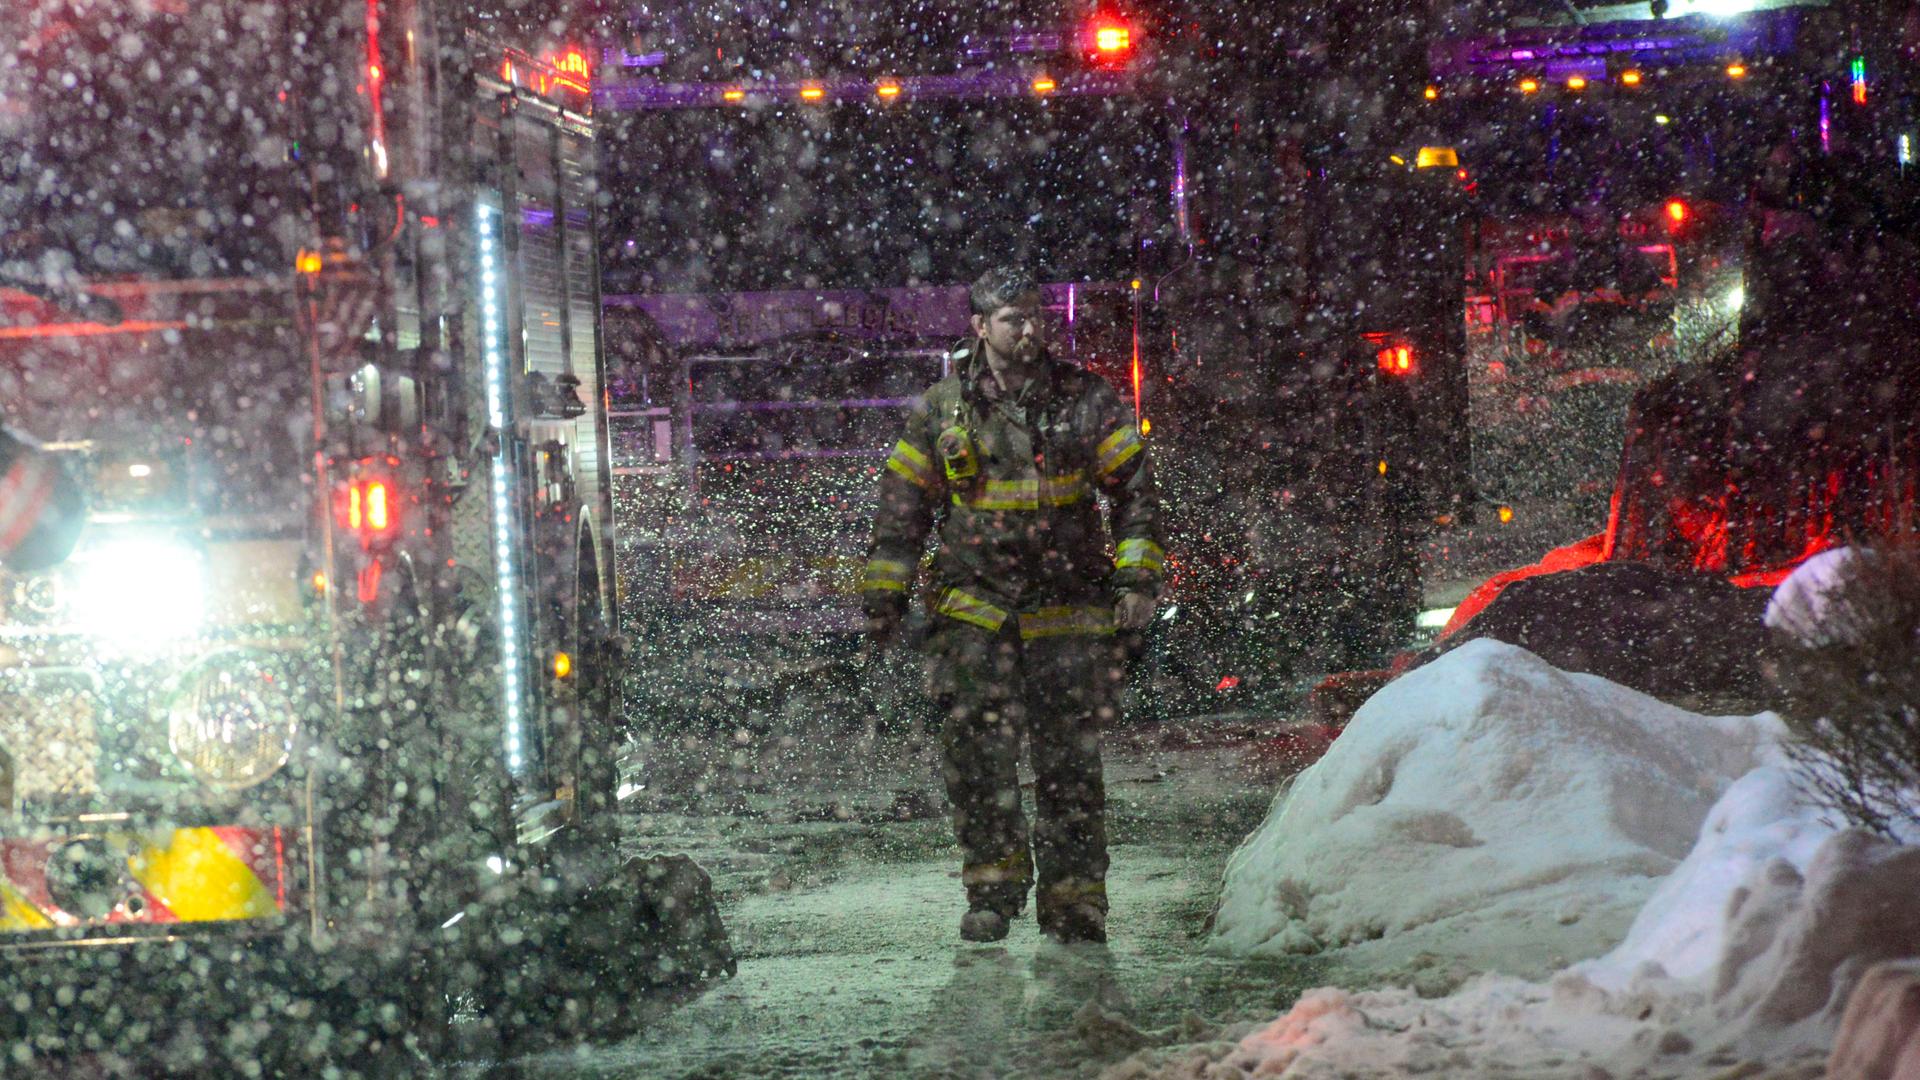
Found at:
[1383, 466]
[308, 262]
[1436, 157]
[562, 665]
[733, 95]
[1146, 426]
[1506, 514]
[1529, 86]
[1630, 78]
[320, 583]
[1433, 93]
[1135, 284]
[1396, 159]
[888, 91]
[1663, 119]
[812, 93]
[1576, 82]
[1736, 71]
[1044, 85]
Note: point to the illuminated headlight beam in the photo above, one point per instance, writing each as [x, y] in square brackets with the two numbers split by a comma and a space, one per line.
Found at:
[140, 593]
[506, 574]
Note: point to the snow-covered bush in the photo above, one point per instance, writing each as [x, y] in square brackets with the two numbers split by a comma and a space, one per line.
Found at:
[1849, 666]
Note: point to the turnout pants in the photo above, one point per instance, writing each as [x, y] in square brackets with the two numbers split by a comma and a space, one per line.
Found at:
[1055, 693]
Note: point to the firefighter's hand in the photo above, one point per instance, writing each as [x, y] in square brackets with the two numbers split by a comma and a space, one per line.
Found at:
[1133, 611]
[882, 628]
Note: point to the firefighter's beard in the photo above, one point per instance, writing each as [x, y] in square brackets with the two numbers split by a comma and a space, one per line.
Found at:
[1017, 359]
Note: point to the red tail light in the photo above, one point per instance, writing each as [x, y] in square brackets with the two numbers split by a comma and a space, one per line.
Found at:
[1676, 213]
[369, 509]
[1397, 360]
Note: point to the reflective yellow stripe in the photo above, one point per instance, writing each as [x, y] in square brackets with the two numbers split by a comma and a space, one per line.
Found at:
[1066, 621]
[886, 575]
[19, 913]
[971, 609]
[911, 463]
[1063, 490]
[1017, 867]
[1116, 449]
[1068, 892]
[200, 879]
[1142, 553]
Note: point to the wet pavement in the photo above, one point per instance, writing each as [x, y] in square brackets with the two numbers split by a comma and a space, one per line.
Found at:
[835, 871]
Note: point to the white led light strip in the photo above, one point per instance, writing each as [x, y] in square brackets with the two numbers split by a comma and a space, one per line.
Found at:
[496, 371]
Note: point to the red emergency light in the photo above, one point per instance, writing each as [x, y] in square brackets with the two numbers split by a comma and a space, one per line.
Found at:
[1397, 359]
[1108, 40]
[368, 508]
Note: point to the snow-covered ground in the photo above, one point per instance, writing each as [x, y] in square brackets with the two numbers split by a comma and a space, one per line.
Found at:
[1645, 890]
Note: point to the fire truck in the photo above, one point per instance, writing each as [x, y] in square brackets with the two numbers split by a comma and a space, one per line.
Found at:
[1795, 434]
[318, 720]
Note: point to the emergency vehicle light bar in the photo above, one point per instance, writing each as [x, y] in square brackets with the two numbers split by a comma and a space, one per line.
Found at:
[1564, 50]
[644, 95]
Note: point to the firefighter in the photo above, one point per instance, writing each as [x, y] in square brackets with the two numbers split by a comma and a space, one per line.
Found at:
[1006, 458]
[40, 506]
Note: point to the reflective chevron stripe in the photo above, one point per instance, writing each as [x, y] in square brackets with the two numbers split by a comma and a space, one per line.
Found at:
[886, 575]
[19, 913]
[912, 464]
[968, 608]
[1144, 554]
[201, 879]
[1116, 450]
[1065, 622]
[25, 491]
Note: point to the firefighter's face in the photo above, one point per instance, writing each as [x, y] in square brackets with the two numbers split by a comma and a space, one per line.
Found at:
[1012, 333]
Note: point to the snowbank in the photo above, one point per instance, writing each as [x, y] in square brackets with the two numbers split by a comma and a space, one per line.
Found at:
[1739, 963]
[1485, 796]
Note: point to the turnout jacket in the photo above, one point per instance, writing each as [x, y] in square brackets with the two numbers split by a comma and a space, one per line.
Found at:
[1011, 485]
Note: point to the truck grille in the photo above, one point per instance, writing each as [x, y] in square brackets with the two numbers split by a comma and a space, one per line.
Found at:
[50, 738]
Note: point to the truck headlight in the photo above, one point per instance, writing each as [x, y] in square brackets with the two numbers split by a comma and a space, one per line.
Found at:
[139, 592]
[231, 720]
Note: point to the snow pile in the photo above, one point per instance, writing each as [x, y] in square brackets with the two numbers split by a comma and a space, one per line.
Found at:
[1746, 953]
[1485, 798]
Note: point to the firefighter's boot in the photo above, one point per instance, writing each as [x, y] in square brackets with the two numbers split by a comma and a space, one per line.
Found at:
[983, 925]
[1075, 911]
[996, 895]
